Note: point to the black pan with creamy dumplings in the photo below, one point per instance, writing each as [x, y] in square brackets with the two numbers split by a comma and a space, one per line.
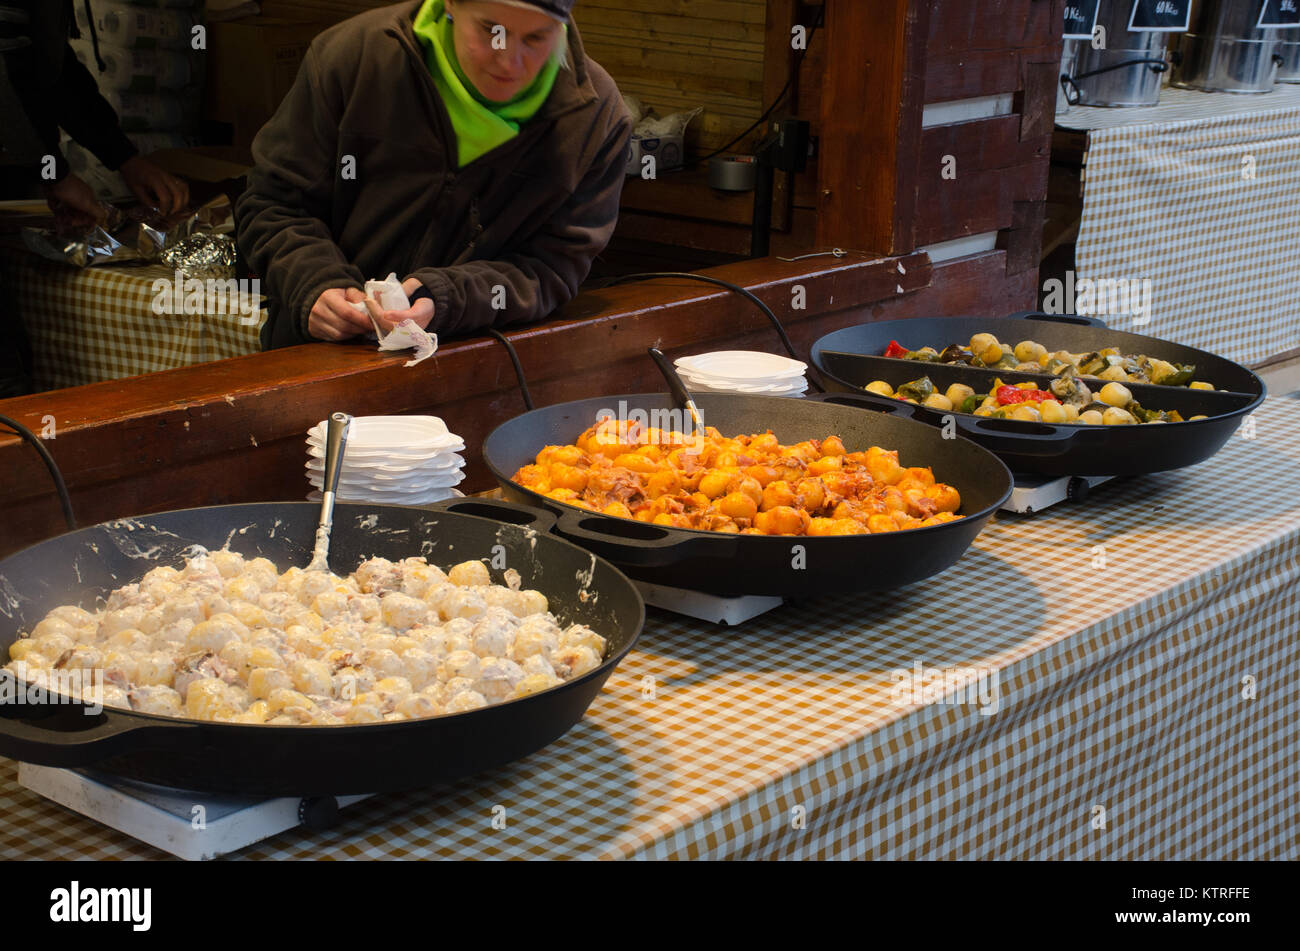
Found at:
[83, 567]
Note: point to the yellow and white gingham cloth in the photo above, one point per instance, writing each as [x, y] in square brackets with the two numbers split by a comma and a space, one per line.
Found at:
[1147, 709]
[1168, 196]
[97, 323]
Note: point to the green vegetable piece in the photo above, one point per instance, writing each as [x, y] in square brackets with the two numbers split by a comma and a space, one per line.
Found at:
[1181, 377]
[1140, 414]
[916, 390]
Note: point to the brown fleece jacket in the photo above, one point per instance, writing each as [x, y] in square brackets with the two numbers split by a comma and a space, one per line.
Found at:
[355, 176]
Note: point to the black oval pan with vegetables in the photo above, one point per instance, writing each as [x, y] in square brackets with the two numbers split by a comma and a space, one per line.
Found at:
[83, 567]
[852, 359]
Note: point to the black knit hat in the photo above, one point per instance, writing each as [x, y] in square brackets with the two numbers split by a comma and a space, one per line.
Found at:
[556, 8]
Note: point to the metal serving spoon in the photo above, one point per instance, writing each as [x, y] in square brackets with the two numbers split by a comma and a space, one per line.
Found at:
[336, 441]
[681, 395]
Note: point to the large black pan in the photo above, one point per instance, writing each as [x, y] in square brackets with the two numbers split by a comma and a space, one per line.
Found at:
[83, 566]
[790, 566]
[849, 359]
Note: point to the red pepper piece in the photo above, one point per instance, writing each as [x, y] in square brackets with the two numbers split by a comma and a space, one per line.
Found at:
[895, 349]
[1008, 394]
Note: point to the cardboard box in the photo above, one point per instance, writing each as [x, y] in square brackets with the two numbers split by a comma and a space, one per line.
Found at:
[668, 151]
[252, 64]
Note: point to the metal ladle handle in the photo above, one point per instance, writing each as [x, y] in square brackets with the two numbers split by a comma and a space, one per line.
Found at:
[336, 441]
[681, 395]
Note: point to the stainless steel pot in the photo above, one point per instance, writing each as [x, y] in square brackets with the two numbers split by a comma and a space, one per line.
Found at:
[1289, 69]
[1127, 70]
[1224, 51]
[1069, 56]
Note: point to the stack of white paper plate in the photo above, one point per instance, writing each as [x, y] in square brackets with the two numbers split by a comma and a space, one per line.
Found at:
[400, 460]
[743, 371]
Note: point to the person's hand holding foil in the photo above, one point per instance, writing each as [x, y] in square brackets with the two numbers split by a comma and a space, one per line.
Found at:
[74, 204]
[155, 187]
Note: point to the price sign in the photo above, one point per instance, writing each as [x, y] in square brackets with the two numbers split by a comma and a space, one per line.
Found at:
[1160, 16]
[1279, 15]
[1081, 18]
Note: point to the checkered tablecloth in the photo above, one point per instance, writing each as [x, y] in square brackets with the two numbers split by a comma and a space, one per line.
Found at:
[1199, 195]
[1146, 657]
[98, 323]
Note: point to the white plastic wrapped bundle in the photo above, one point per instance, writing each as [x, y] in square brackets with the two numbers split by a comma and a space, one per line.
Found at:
[390, 295]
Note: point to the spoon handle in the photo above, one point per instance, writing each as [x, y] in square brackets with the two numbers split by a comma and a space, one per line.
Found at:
[336, 440]
[681, 395]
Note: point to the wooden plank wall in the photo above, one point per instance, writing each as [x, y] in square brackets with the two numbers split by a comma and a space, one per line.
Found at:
[870, 108]
[325, 11]
[688, 213]
[985, 49]
[675, 55]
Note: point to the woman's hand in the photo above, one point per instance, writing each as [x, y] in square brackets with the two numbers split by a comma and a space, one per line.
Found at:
[421, 311]
[334, 318]
[154, 187]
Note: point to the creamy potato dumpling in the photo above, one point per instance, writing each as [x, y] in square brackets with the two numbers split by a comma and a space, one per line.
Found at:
[232, 640]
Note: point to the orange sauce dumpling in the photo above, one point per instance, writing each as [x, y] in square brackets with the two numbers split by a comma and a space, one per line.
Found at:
[751, 484]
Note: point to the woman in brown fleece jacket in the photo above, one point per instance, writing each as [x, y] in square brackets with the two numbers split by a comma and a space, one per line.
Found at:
[358, 174]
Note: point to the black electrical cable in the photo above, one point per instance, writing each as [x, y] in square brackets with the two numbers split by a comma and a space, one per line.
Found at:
[519, 369]
[64, 499]
[821, 16]
[709, 279]
[754, 125]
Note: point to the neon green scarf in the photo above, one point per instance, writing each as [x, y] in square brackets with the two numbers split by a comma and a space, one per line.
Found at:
[480, 124]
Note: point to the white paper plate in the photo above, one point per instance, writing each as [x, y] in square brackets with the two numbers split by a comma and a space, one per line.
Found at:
[796, 391]
[385, 457]
[406, 434]
[437, 495]
[794, 386]
[703, 380]
[708, 379]
[743, 365]
[438, 464]
[407, 486]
